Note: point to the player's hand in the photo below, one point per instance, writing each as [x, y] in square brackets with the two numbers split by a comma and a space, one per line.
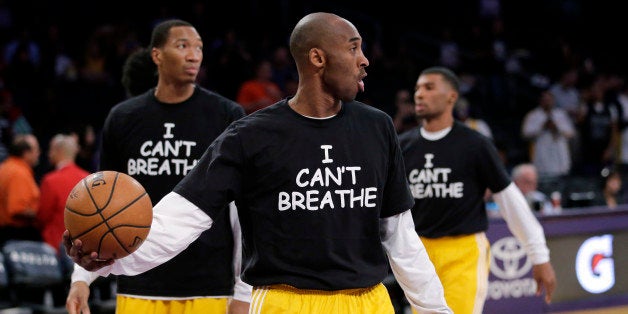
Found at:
[76, 303]
[545, 279]
[88, 261]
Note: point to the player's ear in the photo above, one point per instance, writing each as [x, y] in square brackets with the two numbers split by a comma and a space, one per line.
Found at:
[316, 57]
[453, 97]
[156, 55]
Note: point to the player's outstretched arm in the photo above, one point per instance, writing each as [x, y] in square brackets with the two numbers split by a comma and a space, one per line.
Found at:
[411, 265]
[177, 222]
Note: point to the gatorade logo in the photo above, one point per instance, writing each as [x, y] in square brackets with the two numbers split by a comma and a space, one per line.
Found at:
[595, 267]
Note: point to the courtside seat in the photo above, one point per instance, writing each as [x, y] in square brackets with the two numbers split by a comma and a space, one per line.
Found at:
[7, 304]
[34, 272]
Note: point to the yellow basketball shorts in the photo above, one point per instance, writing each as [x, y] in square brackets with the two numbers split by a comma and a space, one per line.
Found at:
[462, 264]
[130, 305]
[283, 299]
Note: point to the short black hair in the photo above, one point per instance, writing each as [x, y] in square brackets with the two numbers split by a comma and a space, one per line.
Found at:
[161, 31]
[448, 74]
[139, 72]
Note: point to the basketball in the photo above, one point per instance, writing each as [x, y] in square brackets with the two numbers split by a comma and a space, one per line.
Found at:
[110, 212]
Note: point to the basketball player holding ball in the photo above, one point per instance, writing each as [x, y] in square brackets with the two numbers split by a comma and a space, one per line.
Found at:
[157, 137]
[320, 189]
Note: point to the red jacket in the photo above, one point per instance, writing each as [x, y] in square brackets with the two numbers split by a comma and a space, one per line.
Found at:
[55, 188]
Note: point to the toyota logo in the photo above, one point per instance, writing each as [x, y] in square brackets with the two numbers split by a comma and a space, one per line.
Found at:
[508, 259]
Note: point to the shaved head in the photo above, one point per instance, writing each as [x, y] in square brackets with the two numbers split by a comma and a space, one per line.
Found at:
[312, 31]
[327, 50]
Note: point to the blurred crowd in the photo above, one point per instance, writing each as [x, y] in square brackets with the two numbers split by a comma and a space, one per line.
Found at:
[545, 96]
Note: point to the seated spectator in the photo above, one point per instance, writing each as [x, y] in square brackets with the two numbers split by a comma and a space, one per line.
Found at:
[525, 178]
[610, 195]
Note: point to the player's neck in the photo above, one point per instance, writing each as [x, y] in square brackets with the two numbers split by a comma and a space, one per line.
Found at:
[313, 107]
[172, 94]
[437, 124]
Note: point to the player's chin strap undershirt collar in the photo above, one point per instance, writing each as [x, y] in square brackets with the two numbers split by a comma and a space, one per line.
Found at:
[317, 118]
[434, 136]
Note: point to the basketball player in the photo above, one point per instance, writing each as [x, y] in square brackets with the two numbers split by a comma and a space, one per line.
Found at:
[157, 138]
[449, 167]
[319, 185]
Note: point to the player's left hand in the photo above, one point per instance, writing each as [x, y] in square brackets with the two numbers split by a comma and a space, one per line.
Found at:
[88, 261]
[545, 279]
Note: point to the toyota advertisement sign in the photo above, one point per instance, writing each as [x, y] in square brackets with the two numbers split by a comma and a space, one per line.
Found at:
[589, 252]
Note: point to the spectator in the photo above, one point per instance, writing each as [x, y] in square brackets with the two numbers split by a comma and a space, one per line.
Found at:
[19, 193]
[56, 186]
[548, 130]
[598, 131]
[610, 194]
[525, 178]
[621, 103]
[566, 94]
[260, 91]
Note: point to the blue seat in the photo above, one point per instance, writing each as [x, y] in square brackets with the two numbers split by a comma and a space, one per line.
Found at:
[34, 274]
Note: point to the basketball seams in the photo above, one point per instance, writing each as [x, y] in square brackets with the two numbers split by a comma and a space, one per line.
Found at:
[105, 220]
[118, 227]
[111, 229]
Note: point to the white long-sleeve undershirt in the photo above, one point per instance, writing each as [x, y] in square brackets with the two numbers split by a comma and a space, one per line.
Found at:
[411, 265]
[521, 221]
[176, 224]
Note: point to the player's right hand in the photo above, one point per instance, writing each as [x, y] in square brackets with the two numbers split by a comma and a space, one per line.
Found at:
[88, 261]
[76, 303]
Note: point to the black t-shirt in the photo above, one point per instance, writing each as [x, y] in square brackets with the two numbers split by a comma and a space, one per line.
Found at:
[448, 179]
[310, 193]
[158, 144]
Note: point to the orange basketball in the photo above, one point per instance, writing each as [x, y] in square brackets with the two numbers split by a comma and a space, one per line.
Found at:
[110, 212]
